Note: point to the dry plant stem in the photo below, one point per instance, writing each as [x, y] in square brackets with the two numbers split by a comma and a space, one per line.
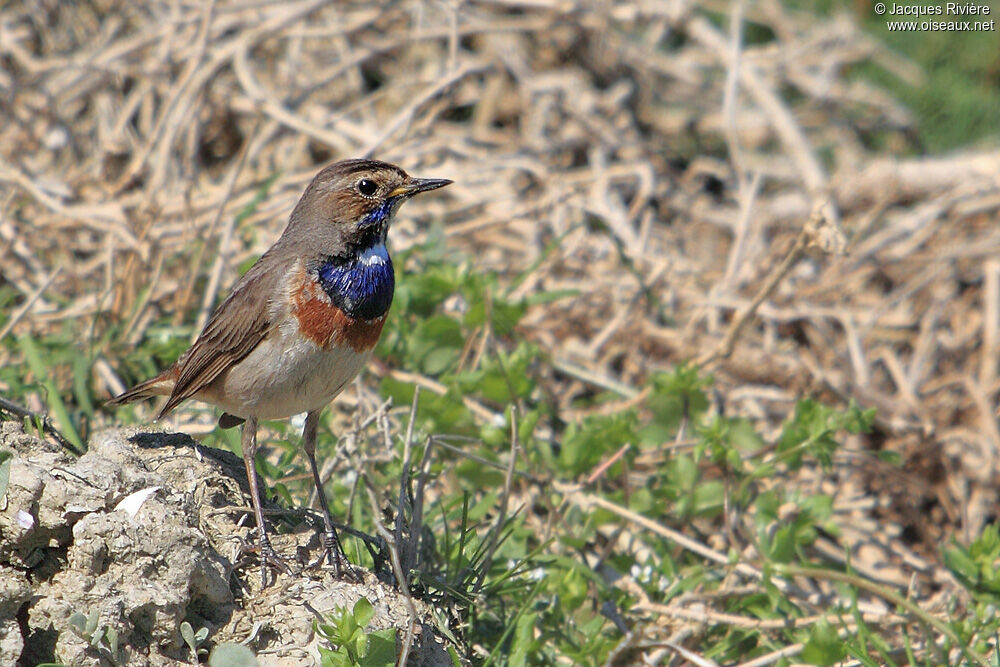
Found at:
[212, 289]
[730, 93]
[585, 500]
[774, 656]
[397, 570]
[806, 237]
[746, 623]
[458, 451]
[417, 518]
[626, 647]
[602, 468]
[406, 115]
[26, 306]
[687, 654]
[433, 385]
[504, 500]
[104, 218]
[22, 412]
[747, 197]
[991, 323]
[889, 596]
[780, 116]
[197, 77]
[588, 376]
[136, 331]
[404, 484]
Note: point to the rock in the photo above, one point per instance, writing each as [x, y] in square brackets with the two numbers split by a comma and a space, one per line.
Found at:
[143, 529]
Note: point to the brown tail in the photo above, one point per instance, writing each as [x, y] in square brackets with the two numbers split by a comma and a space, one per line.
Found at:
[161, 385]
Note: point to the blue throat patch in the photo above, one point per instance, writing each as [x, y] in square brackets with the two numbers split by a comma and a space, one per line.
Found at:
[361, 285]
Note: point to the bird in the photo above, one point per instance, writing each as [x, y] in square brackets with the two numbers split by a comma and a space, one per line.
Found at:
[300, 324]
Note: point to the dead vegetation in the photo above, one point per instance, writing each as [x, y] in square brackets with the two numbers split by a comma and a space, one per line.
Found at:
[635, 152]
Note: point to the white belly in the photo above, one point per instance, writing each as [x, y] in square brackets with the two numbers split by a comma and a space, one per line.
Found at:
[284, 375]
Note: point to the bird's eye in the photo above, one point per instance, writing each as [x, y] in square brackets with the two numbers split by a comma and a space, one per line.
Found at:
[367, 187]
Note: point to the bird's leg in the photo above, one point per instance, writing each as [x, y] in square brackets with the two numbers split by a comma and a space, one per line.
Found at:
[268, 557]
[332, 550]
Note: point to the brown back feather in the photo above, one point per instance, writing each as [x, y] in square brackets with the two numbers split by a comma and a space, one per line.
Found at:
[236, 328]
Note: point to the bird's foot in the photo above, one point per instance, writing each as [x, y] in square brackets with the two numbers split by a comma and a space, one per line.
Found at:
[335, 557]
[269, 559]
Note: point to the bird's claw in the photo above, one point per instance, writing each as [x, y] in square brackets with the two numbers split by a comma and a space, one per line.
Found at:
[268, 557]
[334, 556]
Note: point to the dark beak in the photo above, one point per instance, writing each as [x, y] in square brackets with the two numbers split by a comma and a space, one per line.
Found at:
[417, 185]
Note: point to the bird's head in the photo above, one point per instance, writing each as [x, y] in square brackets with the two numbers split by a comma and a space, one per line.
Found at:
[348, 206]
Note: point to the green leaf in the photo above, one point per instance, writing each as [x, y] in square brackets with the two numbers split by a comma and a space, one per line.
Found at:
[809, 431]
[824, 647]
[338, 658]
[708, 498]
[892, 458]
[782, 544]
[326, 630]
[505, 315]
[962, 565]
[232, 655]
[522, 641]
[380, 650]
[78, 624]
[434, 345]
[347, 628]
[587, 442]
[112, 637]
[363, 612]
[678, 395]
[744, 437]
[978, 565]
[435, 413]
[41, 372]
[573, 587]
[438, 360]
[6, 458]
[187, 633]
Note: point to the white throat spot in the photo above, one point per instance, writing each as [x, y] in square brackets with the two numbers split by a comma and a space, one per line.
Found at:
[377, 254]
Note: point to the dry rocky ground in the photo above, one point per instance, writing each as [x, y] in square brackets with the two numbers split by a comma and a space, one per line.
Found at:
[144, 530]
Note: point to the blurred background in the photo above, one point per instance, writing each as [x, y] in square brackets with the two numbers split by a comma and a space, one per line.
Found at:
[629, 176]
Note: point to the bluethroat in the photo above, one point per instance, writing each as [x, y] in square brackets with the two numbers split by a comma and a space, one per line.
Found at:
[301, 323]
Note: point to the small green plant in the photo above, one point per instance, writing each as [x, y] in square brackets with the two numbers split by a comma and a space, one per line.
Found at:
[5, 460]
[103, 639]
[232, 655]
[976, 565]
[194, 640]
[813, 431]
[353, 646]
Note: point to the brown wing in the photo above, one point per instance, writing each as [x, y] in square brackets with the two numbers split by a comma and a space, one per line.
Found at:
[236, 328]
